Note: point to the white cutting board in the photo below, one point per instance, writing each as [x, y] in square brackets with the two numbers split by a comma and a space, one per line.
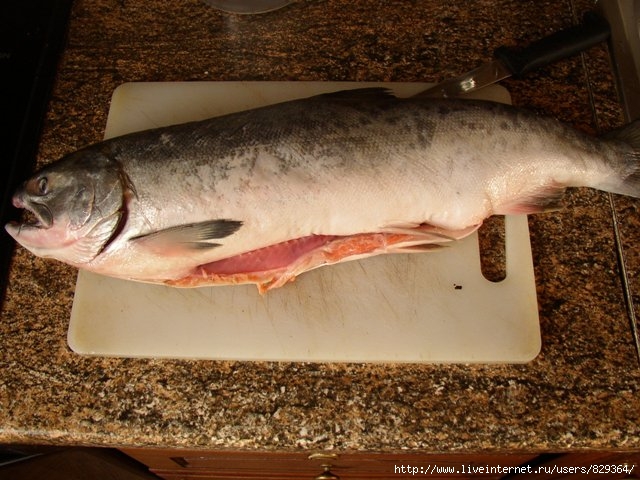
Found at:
[432, 307]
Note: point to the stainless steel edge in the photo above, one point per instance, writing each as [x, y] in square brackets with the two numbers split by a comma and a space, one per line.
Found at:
[623, 17]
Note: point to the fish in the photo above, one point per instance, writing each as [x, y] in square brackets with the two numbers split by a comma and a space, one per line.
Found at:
[263, 195]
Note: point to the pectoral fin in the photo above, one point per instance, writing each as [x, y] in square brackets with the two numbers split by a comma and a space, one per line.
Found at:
[189, 237]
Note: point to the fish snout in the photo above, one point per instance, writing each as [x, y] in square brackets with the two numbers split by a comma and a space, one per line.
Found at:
[18, 198]
[36, 214]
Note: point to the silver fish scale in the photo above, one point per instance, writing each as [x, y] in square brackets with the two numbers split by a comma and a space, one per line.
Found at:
[328, 130]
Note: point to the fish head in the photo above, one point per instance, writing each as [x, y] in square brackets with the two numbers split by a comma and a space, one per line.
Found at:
[73, 207]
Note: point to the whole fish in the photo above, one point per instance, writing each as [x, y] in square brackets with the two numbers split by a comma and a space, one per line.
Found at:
[264, 195]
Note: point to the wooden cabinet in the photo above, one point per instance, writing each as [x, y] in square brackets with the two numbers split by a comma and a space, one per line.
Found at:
[184, 464]
[218, 465]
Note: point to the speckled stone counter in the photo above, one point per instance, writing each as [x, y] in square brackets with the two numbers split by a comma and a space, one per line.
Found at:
[581, 392]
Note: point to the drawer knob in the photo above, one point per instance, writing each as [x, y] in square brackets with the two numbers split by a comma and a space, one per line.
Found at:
[327, 475]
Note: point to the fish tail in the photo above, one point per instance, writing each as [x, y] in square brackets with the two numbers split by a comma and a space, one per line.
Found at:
[626, 180]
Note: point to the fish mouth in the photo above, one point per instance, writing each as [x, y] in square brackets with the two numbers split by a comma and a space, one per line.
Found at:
[36, 215]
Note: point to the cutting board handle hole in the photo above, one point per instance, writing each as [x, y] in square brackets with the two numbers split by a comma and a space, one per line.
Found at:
[491, 237]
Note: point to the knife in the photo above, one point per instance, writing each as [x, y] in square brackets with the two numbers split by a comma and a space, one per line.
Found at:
[515, 62]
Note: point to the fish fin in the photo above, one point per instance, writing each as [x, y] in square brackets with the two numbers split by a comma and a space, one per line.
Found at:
[188, 237]
[419, 248]
[425, 233]
[630, 134]
[359, 93]
[626, 180]
[547, 199]
[402, 227]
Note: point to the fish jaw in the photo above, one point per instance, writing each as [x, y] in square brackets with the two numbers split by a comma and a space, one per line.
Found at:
[41, 241]
[38, 234]
[55, 238]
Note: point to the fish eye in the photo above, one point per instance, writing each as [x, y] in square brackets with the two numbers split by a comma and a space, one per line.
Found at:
[43, 186]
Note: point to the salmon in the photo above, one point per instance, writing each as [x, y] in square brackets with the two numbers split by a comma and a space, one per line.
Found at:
[264, 195]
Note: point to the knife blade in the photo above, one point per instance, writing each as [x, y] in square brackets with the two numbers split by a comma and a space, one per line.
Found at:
[516, 62]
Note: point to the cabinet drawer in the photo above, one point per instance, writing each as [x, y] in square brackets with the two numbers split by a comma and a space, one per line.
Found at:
[185, 464]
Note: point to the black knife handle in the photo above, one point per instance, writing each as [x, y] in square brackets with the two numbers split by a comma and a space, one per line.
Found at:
[565, 43]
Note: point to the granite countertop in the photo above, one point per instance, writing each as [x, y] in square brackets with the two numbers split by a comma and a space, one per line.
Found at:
[581, 392]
